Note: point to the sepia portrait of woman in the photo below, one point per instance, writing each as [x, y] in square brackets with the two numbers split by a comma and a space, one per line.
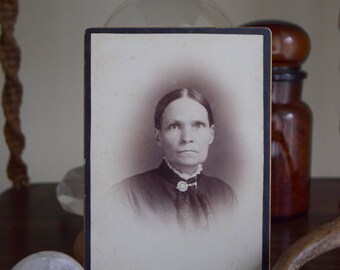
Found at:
[178, 190]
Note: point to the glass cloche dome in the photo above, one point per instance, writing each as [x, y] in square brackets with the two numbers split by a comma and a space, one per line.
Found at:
[168, 13]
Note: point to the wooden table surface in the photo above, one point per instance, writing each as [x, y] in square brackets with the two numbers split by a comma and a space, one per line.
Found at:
[324, 207]
[33, 221]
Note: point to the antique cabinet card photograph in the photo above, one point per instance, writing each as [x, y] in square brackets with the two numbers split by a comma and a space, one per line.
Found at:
[177, 148]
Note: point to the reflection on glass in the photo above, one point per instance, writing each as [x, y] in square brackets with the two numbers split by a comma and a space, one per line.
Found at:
[168, 13]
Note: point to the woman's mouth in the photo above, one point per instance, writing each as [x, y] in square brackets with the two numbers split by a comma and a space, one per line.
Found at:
[187, 151]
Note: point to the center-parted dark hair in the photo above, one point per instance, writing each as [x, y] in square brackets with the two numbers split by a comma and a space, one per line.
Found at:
[164, 102]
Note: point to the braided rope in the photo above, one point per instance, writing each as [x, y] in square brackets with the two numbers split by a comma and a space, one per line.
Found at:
[12, 94]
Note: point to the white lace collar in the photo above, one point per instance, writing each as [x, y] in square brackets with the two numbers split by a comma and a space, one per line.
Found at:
[185, 176]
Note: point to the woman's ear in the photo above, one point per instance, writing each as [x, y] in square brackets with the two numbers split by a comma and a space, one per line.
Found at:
[212, 133]
[157, 137]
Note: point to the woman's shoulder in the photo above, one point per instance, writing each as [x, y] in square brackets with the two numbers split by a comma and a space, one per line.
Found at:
[214, 182]
[218, 188]
[140, 177]
[139, 182]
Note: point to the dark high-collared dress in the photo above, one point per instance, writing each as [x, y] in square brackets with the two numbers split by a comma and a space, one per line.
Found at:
[154, 195]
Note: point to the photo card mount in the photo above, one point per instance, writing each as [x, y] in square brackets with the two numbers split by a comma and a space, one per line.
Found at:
[177, 148]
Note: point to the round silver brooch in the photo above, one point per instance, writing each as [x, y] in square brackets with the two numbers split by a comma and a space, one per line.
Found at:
[182, 186]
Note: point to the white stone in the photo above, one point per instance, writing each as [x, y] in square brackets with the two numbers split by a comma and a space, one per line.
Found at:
[48, 260]
[70, 191]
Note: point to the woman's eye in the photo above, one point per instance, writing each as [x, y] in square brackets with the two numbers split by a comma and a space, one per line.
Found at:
[199, 125]
[174, 126]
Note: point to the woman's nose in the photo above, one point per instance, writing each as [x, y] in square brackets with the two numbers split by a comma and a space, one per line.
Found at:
[186, 135]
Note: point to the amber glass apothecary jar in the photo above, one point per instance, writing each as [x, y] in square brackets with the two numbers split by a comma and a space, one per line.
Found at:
[291, 121]
[291, 136]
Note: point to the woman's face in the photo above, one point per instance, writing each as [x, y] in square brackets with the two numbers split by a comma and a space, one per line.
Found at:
[185, 134]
